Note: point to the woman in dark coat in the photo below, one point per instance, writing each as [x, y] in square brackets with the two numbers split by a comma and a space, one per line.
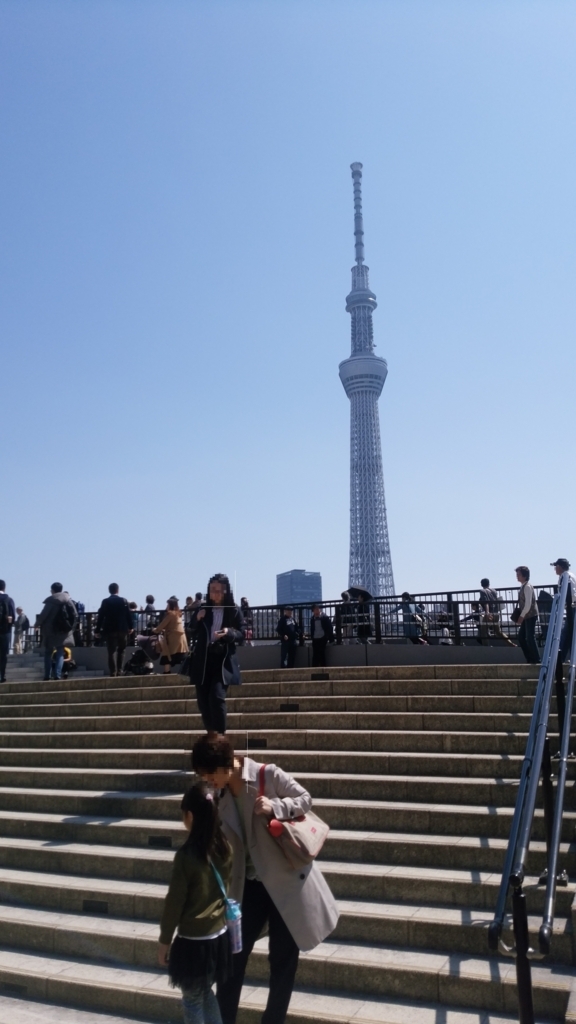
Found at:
[216, 629]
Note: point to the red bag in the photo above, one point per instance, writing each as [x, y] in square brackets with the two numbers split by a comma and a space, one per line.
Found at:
[300, 839]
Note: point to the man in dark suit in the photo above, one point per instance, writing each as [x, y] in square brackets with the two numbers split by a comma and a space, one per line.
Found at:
[115, 624]
[7, 616]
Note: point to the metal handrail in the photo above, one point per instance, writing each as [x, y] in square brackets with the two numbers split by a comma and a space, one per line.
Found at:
[536, 764]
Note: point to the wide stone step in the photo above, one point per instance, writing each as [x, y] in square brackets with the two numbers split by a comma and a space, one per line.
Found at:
[51, 766]
[137, 992]
[31, 883]
[263, 739]
[187, 705]
[375, 970]
[385, 865]
[320, 720]
[438, 926]
[456, 791]
[151, 688]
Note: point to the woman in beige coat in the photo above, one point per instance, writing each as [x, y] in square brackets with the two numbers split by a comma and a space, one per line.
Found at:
[173, 642]
[295, 903]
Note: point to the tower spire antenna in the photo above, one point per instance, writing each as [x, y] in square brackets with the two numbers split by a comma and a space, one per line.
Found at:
[363, 376]
[356, 169]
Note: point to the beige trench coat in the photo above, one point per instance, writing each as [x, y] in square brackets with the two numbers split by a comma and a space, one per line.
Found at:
[173, 640]
[301, 895]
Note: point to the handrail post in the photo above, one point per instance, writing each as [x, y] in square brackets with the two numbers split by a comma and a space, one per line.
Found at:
[338, 624]
[377, 623]
[523, 970]
[89, 633]
[548, 796]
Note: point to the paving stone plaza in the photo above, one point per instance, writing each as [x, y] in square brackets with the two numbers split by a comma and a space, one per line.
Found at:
[414, 768]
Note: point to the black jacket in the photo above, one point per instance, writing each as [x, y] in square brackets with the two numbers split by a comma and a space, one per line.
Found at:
[114, 616]
[292, 630]
[326, 624]
[222, 652]
[9, 611]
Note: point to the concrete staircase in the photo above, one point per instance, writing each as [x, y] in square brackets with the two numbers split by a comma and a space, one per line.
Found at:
[30, 666]
[416, 771]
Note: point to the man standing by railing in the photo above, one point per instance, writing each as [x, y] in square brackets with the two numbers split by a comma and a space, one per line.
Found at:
[7, 616]
[491, 610]
[21, 627]
[528, 616]
[562, 566]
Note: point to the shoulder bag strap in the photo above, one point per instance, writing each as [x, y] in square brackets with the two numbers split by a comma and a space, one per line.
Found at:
[218, 878]
[261, 779]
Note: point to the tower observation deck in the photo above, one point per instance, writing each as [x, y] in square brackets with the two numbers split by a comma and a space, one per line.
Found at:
[363, 376]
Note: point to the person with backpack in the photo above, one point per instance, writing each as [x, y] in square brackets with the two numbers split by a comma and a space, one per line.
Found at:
[56, 623]
[196, 905]
[7, 616]
[115, 623]
[491, 607]
[295, 903]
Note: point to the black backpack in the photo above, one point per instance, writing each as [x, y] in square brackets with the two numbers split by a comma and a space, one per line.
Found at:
[4, 624]
[65, 618]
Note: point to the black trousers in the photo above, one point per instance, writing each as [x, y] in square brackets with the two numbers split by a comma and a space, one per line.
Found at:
[116, 644]
[527, 640]
[288, 653]
[257, 909]
[4, 648]
[211, 697]
[319, 651]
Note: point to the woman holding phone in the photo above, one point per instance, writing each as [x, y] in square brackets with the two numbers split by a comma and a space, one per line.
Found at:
[216, 628]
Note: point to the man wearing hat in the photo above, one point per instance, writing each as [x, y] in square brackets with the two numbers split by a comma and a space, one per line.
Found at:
[562, 566]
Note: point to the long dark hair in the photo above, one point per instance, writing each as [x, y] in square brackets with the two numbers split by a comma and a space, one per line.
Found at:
[221, 577]
[206, 838]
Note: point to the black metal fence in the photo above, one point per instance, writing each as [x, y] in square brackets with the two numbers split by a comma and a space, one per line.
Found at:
[434, 618]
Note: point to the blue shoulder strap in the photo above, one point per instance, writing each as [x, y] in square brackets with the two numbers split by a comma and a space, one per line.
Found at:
[219, 880]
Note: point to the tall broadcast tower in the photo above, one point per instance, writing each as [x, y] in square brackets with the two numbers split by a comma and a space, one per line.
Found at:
[363, 376]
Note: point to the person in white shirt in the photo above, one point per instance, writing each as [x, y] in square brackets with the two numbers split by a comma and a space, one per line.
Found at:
[528, 616]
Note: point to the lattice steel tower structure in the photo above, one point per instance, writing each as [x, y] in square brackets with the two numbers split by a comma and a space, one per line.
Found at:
[363, 376]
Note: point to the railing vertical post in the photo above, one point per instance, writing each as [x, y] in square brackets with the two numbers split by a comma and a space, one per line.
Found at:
[301, 625]
[89, 633]
[523, 971]
[547, 795]
[454, 614]
[338, 624]
[377, 623]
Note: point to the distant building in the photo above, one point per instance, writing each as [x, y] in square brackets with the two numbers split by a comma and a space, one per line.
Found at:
[298, 587]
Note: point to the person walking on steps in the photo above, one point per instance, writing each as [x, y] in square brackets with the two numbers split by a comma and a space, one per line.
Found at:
[7, 616]
[562, 567]
[295, 903]
[21, 627]
[115, 622]
[528, 616]
[195, 905]
[491, 609]
[173, 643]
[56, 623]
[216, 628]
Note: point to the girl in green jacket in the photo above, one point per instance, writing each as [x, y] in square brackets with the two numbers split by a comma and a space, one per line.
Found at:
[200, 953]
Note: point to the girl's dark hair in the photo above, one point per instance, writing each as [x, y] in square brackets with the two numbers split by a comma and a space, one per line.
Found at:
[406, 596]
[206, 837]
[210, 753]
[220, 577]
[172, 604]
[149, 599]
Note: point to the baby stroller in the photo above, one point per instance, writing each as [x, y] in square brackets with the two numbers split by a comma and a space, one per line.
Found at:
[142, 661]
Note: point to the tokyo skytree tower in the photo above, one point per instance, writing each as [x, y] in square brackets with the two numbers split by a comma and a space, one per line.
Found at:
[363, 376]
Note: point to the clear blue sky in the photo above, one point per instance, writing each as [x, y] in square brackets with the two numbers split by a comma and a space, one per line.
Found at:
[177, 242]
